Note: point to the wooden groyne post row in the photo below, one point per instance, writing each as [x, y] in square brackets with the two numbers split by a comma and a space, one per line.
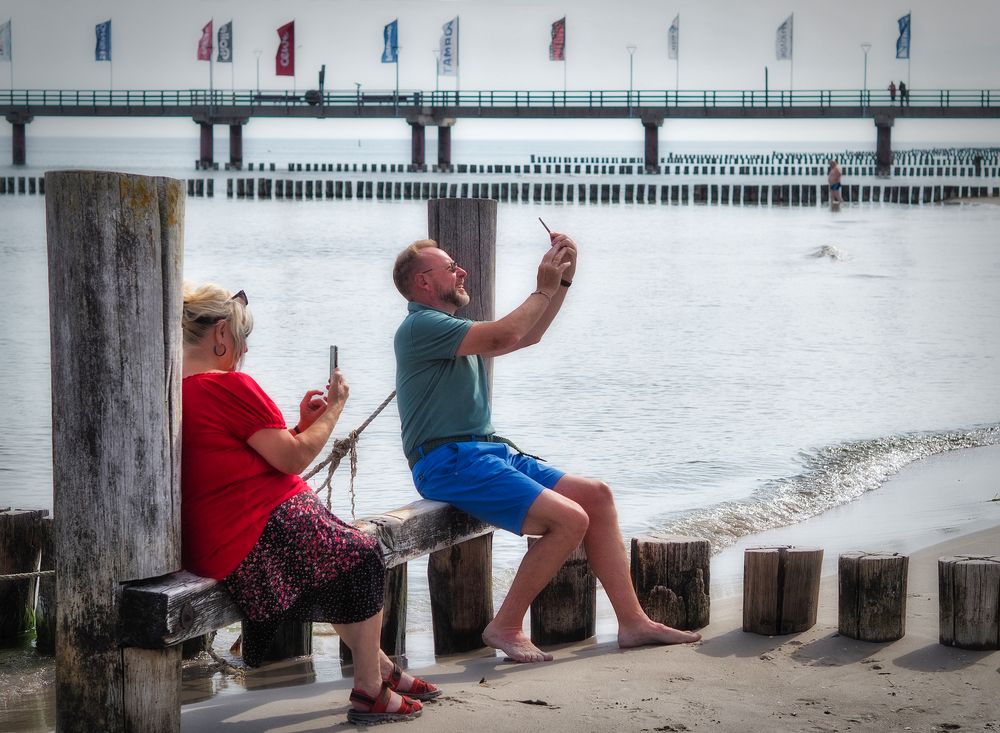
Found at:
[114, 245]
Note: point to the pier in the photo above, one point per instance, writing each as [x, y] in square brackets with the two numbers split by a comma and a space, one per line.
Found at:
[442, 109]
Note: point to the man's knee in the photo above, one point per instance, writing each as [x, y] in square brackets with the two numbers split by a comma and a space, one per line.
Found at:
[552, 514]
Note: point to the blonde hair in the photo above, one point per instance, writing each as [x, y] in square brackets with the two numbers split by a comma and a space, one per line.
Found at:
[402, 271]
[207, 304]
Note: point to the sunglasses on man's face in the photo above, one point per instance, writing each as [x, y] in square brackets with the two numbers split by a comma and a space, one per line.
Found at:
[450, 267]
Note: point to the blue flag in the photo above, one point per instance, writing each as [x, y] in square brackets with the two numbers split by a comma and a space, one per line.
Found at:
[103, 50]
[903, 42]
[390, 54]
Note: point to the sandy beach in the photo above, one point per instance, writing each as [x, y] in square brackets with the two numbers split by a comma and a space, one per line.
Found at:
[731, 681]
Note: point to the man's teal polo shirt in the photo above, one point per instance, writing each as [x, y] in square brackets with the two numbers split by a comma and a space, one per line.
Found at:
[439, 395]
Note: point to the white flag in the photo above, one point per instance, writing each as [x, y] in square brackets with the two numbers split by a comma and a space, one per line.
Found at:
[6, 54]
[673, 38]
[448, 59]
[783, 41]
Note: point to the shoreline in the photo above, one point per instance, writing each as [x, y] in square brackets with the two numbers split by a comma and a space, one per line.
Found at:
[812, 680]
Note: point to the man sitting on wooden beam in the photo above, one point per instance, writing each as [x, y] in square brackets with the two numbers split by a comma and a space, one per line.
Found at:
[456, 456]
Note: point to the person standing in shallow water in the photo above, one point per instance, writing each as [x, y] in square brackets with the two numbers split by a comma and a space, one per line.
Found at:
[833, 178]
[456, 456]
[249, 519]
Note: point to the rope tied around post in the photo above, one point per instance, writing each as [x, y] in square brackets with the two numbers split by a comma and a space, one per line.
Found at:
[344, 447]
[23, 576]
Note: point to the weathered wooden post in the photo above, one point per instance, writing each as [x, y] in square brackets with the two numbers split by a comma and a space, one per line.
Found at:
[20, 552]
[45, 610]
[872, 595]
[671, 576]
[115, 246]
[566, 609]
[460, 578]
[781, 589]
[969, 601]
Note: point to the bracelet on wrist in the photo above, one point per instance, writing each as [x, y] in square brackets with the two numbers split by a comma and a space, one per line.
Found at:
[565, 283]
[539, 292]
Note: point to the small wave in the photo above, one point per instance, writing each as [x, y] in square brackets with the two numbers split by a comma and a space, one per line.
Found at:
[828, 251]
[832, 476]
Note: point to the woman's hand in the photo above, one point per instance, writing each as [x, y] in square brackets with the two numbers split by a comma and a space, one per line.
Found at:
[338, 389]
[311, 407]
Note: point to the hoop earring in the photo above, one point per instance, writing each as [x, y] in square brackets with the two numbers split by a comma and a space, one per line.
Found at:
[216, 349]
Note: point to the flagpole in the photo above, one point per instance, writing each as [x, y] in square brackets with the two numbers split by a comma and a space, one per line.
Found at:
[458, 58]
[791, 66]
[909, 52]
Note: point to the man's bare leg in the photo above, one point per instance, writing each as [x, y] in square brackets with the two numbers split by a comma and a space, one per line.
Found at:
[606, 555]
[561, 525]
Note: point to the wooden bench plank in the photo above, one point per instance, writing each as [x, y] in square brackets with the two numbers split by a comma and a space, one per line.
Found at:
[160, 612]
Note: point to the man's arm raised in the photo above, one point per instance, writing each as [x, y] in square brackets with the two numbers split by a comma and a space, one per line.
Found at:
[507, 334]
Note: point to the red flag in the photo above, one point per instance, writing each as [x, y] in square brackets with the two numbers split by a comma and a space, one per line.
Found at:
[284, 60]
[205, 44]
[557, 49]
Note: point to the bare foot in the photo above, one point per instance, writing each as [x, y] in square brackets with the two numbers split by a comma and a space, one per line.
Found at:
[650, 632]
[515, 645]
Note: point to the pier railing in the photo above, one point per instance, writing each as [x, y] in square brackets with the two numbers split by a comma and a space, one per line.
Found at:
[506, 99]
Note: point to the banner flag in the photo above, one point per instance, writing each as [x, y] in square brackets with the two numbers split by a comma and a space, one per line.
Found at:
[903, 42]
[103, 50]
[205, 43]
[6, 54]
[225, 43]
[284, 60]
[448, 59]
[783, 41]
[390, 35]
[673, 38]
[557, 48]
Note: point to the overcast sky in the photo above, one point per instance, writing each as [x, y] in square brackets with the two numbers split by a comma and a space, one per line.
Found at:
[724, 44]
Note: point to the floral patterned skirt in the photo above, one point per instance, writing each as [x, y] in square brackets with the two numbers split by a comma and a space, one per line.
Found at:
[305, 558]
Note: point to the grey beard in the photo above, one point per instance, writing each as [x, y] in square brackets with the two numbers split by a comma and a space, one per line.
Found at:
[455, 298]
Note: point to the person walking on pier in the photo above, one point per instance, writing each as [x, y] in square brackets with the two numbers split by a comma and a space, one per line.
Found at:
[250, 520]
[904, 94]
[456, 456]
[892, 92]
[833, 178]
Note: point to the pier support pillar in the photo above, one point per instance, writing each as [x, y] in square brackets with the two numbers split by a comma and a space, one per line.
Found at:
[444, 145]
[19, 149]
[207, 156]
[883, 144]
[20, 152]
[652, 128]
[417, 139]
[235, 145]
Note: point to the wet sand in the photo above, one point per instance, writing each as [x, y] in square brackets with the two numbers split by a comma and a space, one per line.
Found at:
[731, 681]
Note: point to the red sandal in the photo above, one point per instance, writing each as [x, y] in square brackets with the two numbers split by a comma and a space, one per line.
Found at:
[419, 689]
[378, 708]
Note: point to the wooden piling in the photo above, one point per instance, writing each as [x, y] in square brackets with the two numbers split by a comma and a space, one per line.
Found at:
[115, 250]
[45, 609]
[781, 589]
[872, 595]
[20, 552]
[969, 601]
[460, 580]
[566, 608]
[671, 577]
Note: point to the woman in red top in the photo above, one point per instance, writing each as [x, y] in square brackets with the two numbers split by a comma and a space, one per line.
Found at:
[248, 518]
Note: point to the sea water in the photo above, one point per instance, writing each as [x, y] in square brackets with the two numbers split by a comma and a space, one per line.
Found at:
[726, 369]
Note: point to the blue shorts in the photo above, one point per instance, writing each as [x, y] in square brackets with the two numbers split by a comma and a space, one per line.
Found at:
[490, 481]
